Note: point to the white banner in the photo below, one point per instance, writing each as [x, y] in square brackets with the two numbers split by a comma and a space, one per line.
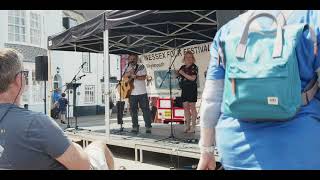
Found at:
[158, 63]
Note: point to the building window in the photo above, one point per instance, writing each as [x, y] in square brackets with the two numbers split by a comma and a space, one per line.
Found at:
[89, 96]
[17, 25]
[86, 60]
[35, 28]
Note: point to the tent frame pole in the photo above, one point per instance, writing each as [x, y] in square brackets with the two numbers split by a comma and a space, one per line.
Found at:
[106, 63]
[49, 96]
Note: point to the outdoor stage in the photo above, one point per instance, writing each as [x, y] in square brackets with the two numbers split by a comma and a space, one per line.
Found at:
[185, 146]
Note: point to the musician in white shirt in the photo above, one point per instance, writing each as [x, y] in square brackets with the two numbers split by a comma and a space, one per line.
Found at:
[138, 97]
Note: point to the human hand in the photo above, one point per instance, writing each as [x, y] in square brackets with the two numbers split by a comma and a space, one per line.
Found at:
[207, 162]
[181, 72]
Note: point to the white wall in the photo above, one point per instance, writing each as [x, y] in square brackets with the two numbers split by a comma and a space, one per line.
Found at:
[68, 62]
[53, 23]
[115, 66]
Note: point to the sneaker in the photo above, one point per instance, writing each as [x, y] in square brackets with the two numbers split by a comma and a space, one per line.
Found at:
[148, 130]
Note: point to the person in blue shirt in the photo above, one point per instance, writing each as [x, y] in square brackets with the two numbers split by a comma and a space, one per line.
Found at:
[243, 145]
[55, 109]
[56, 95]
[63, 102]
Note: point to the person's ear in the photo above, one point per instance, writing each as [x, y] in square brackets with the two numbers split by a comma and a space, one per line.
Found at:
[18, 80]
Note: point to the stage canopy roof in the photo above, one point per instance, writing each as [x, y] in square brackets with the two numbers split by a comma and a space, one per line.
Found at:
[138, 31]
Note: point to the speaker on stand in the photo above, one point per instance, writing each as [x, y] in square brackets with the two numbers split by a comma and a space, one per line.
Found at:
[42, 75]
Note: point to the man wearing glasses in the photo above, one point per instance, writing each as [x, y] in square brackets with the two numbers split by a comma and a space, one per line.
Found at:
[31, 140]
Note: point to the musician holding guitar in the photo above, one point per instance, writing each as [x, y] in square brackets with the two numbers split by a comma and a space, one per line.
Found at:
[134, 87]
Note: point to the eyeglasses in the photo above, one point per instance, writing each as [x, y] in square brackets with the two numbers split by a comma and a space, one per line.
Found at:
[24, 73]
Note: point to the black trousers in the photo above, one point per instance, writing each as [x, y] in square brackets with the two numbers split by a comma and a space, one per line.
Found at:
[120, 109]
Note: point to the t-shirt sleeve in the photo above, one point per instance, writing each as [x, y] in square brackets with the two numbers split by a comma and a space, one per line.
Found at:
[215, 70]
[45, 134]
[308, 61]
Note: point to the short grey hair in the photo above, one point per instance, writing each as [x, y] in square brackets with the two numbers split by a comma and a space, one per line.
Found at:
[10, 66]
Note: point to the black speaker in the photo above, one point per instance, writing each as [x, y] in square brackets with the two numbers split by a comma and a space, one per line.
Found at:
[66, 22]
[42, 68]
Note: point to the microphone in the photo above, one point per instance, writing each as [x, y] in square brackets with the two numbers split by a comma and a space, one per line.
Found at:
[83, 64]
[81, 76]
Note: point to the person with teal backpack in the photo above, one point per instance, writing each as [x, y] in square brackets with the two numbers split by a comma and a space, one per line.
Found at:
[261, 101]
[262, 76]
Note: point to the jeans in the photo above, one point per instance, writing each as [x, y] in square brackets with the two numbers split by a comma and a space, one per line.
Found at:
[144, 105]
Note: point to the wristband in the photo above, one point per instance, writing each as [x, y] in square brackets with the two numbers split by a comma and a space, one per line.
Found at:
[206, 149]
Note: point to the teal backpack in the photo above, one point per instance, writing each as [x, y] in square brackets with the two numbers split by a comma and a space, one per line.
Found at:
[262, 81]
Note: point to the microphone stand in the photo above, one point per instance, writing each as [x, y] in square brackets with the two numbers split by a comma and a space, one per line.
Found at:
[74, 100]
[171, 103]
[73, 81]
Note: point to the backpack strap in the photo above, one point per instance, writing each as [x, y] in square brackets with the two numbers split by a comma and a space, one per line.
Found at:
[308, 95]
[277, 50]
[311, 89]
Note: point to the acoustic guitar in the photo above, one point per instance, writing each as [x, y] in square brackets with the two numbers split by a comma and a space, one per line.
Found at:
[126, 85]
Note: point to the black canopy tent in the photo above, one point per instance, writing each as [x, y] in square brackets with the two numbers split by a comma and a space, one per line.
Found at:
[136, 31]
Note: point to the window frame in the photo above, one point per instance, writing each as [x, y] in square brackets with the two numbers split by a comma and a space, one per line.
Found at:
[89, 94]
[22, 17]
[37, 28]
